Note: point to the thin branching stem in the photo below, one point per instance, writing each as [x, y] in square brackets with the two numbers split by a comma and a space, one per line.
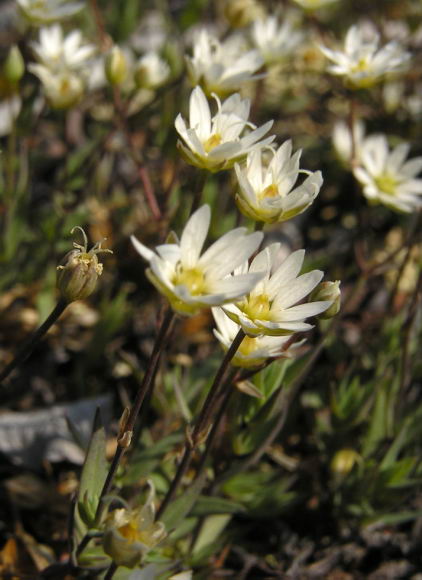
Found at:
[28, 346]
[147, 384]
[199, 433]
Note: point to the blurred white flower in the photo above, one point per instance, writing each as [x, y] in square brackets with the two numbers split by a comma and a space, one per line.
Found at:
[62, 89]
[151, 71]
[58, 52]
[62, 65]
[130, 534]
[270, 307]
[40, 12]
[343, 143]
[273, 40]
[191, 281]
[387, 177]
[9, 110]
[362, 63]
[253, 351]
[215, 143]
[222, 67]
[314, 4]
[266, 192]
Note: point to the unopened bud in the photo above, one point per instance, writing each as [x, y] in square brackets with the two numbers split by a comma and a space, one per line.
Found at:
[78, 274]
[328, 291]
[343, 461]
[116, 66]
[14, 66]
[240, 13]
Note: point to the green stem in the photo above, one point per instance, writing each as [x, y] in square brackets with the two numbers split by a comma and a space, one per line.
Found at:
[146, 385]
[199, 432]
[28, 346]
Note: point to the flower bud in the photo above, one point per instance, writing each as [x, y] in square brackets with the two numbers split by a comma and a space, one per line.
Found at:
[78, 274]
[116, 66]
[14, 66]
[328, 291]
[240, 13]
[129, 534]
[343, 461]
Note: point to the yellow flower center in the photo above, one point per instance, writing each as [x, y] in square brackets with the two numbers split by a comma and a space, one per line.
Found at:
[192, 278]
[64, 87]
[258, 306]
[248, 346]
[387, 183]
[129, 532]
[212, 142]
[270, 191]
[360, 66]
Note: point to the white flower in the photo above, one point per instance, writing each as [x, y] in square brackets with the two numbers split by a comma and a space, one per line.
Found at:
[266, 193]
[387, 177]
[191, 281]
[130, 534]
[57, 52]
[9, 110]
[47, 11]
[63, 89]
[342, 140]
[221, 67]
[314, 4]
[270, 307]
[253, 351]
[216, 143]
[362, 63]
[151, 71]
[274, 41]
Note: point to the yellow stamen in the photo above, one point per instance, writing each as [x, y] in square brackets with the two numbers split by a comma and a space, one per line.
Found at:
[387, 183]
[258, 307]
[192, 278]
[212, 142]
[270, 191]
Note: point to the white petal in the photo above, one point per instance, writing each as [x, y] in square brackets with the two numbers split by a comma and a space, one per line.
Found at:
[193, 236]
[145, 252]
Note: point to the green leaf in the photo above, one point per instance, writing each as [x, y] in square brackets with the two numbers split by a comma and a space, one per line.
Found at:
[209, 534]
[215, 505]
[179, 508]
[94, 471]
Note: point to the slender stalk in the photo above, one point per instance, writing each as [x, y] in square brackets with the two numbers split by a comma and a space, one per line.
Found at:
[147, 384]
[111, 571]
[227, 395]
[199, 433]
[28, 346]
[199, 186]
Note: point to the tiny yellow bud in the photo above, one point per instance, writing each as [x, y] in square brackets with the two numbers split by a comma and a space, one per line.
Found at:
[14, 66]
[328, 291]
[78, 273]
[116, 66]
[343, 461]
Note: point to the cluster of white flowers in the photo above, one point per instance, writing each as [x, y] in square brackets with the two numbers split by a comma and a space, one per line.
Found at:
[260, 298]
[62, 65]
